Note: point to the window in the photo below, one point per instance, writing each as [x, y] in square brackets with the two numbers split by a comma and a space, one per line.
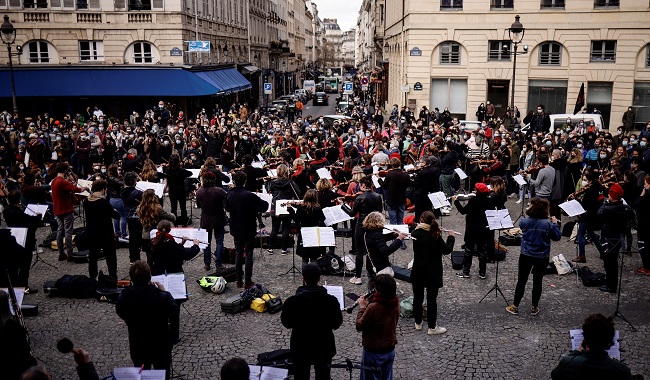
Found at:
[502, 4]
[551, 93]
[91, 50]
[451, 93]
[641, 103]
[142, 52]
[550, 54]
[647, 57]
[449, 53]
[603, 51]
[451, 5]
[552, 4]
[606, 3]
[38, 52]
[499, 51]
[381, 14]
[34, 4]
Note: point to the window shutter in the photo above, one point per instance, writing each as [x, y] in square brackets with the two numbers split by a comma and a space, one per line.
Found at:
[68, 4]
[93, 4]
[157, 4]
[14, 4]
[120, 4]
[3, 3]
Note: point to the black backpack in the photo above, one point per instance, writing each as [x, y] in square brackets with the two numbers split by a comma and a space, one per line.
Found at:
[590, 278]
[75, 286]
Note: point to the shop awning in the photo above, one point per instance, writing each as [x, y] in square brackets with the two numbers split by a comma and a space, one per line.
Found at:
[249, 69]
[39, 82]
[226, 80]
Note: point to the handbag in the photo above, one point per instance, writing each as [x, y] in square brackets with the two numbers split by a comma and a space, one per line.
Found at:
[273, 303]
[388, 270]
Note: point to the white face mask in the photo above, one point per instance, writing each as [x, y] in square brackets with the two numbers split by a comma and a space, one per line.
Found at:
[603, 156]
[585, 182]
[503, 143]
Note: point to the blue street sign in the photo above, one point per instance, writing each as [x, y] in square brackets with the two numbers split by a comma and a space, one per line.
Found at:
[268, 88]
[348, 88]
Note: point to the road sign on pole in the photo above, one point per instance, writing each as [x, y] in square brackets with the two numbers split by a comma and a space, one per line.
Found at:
[268, 88]
[348, 89]
[365, 81]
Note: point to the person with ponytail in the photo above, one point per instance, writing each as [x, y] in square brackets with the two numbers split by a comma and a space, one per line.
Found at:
[300, 176]
[167, 254]
[426, 273]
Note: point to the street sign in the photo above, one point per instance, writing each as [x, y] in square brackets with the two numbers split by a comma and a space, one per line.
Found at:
[405, 88]
[175, 52]
[365, 81]
[415, 52]
[268, 88]
[364, 87]
[417, 86]
[198, 46]
[348, 89]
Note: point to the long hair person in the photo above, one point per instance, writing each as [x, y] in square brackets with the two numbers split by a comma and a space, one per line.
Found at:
[309, 214]
[282, 188]
[375, 245]
[151, 213]
[168, 255]
[538, 231]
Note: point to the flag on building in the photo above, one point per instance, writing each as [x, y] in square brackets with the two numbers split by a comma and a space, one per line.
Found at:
[580, 102]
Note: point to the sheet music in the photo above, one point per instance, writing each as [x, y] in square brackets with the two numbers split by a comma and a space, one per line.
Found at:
[259, 157]
[498, 219]
[173, 283]
[20, 294]
[266, 197]
[519, 179]
[324, 173]
[191, 233]
[336, 291]
[258, 164]
[335, 214]
[409, 167]
[282, 210]
[404, 228]
[195, 173]
[229, 180]
[158, 188]
[375, 181]
[572, 208]
[461, 174]
[134, 373]
[317, 237]
[267, 373]
[33, 209]
[375, 168]
[614, 351]
[439, 200]
[84, 183]
[273, 173]
[20, 233]
[159, 169]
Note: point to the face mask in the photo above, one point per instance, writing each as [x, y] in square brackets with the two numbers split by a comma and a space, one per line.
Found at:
[178, 141]
[96, 167]
[534, 138]
[539, 110]
[548, 143]
[448, 138]
[523, 149]
[585, 182]
[503, 143]
[166, 142]
[609, 149]
[245, 138]
[84, 138]
[624, 143]
[193, 158]
[516, 130]
[103, 171]
[354, 140]
[642, 144]
[558, 132]
[22, 167]
[372, 143]
[58, 138]
[367, 134]
[131, 136]
[66, 136]
[568, 121]
[92, 135]
[22, 134]
[408, 138]
[316, 142]
[603, 156]
[56, 130]
[101, 129]
[579, 145]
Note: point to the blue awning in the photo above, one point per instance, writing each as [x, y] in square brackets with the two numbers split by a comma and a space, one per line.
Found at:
[227, 80]
[119, 82]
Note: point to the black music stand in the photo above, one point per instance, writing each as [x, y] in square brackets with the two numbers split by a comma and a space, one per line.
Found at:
[617, 312]
[438, 202]
[293, 268]
[523, 199]
[349, 365]
[573, 208]
[497, 220]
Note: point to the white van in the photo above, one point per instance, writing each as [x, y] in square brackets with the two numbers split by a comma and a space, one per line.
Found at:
[559, 119]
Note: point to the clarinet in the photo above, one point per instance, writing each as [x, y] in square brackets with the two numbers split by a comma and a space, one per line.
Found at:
[17, 311]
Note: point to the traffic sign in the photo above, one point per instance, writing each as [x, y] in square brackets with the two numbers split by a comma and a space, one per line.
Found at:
[268, 88]
[348, 89]
[364, 81]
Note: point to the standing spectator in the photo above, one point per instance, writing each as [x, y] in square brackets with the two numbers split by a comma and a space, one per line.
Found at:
[243, 207]
[62, 198]
[428, 249]
[489, 111]
[642, 208]
[82, 149]
[152, 317]
[210, 199]
[312, 314]
[131, 198]
[377, 321]
[538, 232]
[540, 121]
[98, 226]
[628, 120]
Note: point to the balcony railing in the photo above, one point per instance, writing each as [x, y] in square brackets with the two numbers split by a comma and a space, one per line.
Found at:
[89, 17]
[140, 17]
[36, 17]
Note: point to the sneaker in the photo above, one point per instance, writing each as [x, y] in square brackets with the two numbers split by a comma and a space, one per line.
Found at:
[39, 250]
[356, 281]
[284, 252]
[579, 259]
[437, 331]
[462, 275]
[270, 251]
[607, 289]
[534, 310]
[519, 201]
[512, 309]
[513, 195]
[418, 326]
[481, 276]
[642, 270]
[403, 247]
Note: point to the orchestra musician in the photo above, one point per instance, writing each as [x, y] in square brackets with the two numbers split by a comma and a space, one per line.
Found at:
[62, 198]
[395, 185]
[476, 232]
[167, 254]
[99, 228]
[253, 175]
[326, 198]
[543, 184]
[281, 188]
[309, 213]
[176, 176]
[426, 180]
[210, 199]
[591, 198]
[300, 176]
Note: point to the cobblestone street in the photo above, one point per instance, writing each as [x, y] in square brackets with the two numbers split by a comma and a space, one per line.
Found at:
[482, 342]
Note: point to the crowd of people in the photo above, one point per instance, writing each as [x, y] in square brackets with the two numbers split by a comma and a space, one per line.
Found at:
[376, 167]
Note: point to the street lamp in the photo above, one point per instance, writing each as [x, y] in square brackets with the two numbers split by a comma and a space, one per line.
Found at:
[516, 34]
[9, 37]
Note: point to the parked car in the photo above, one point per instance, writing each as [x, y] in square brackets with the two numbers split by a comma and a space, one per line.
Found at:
[469, 125]
[328, 120]
[281, 105]
[321, 99]
[559, 119]
[301, 93]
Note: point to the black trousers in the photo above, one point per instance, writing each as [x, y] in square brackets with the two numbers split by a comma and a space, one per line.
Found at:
[244, 259]
[644, 250]
[151, 358]
[135, 238]
[538, 266]
[301, 369]
[178, 199]
[109, 253]
[610, 261]
[358, 260]
[475, 245]
[432, 304]
[276, 223]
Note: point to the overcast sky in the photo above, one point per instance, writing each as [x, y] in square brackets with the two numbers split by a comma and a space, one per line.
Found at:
[346, 11]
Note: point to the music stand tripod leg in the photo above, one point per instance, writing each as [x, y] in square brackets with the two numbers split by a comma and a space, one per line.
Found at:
[617, 312]
[495, 288]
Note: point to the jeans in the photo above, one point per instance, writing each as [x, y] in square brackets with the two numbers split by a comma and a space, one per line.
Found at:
[382, 362]
[302, 368]
[218, 238]
[445, 184]
[244, 248]
[538, 266]
[432, 304]
[584, 229]
[66, 225]
[276, 223]
[396, 214]
[135, 238]
[119, 224]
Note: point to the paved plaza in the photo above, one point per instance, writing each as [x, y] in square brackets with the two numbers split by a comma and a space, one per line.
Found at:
[482, 341]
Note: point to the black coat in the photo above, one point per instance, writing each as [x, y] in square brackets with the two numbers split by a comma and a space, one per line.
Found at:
[151, 316]
[210, 200]
[176, 181]
[475, 220]
[395, 184]
[616, 218]
[131, 198]
[99, 225]
[168, 256]
[244, 207]
[375, 243]
[312, 314]
[590, 365]
[15, 356]
[366, 203]
[305, 218]
[427, 258]
[283, 189]
[642, 208]
[15, 217]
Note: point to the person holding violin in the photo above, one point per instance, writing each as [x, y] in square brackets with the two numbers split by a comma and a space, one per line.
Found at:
[395, 183]
[476, 231]
[374, 244]
[308, 214]
[591, 198]
[543, 184]
[426, 181]
[281, 188]
[99, 227]
[63, 207]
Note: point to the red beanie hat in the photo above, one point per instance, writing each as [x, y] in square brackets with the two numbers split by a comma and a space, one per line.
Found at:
[616, 192]
[482, 188]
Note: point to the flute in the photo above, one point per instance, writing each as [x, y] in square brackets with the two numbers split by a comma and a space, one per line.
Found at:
[450, 231]
[408, 236]
[186, 238]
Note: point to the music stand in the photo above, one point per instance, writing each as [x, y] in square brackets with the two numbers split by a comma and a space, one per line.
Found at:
[573, 208]
[349, 365]
[521, 182]
[617, 312]
[497, 220]
[293, 268]
[438, 200]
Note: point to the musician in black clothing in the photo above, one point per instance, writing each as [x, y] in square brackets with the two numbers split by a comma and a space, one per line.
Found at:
[131, 198]
[426, 181]
[254, 176]
[99, 228]
[176, 176]
[167, 254]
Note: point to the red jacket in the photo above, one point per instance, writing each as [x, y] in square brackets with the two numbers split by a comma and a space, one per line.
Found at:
[62, 196]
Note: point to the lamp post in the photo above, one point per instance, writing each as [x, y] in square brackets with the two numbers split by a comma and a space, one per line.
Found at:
[225, 53]
[9, 37]
[516, 34]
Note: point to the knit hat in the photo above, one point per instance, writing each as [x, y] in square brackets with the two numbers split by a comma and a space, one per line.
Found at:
[357, 170]
[616, 192]
[482, 188]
